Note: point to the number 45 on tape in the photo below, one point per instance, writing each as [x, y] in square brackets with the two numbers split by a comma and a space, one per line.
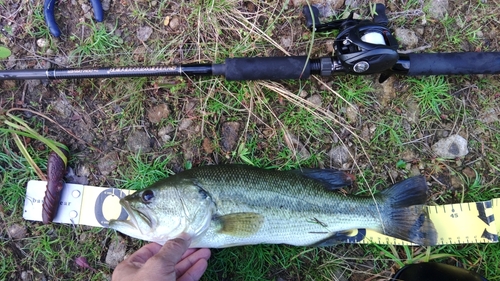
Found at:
[94, 206]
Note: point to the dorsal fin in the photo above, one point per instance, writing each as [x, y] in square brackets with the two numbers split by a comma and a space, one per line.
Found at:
[331, 179]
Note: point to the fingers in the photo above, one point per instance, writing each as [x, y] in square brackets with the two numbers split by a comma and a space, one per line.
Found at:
[171, 253]
[174, 259]
[144, 253]
[189, 261]
[188, 252]
[162, 265]
[132, 264]
[195, 272]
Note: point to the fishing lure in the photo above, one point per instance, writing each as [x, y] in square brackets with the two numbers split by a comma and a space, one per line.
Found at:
[56, 168]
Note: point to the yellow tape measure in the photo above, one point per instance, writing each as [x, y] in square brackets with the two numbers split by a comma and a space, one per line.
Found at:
[95, 206]
[459, 223]
[465, 223]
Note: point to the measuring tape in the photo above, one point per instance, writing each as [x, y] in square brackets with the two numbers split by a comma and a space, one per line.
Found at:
[459, 223]
[94, 206]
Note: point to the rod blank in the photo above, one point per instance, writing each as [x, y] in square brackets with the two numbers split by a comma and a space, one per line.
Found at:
[106, 72]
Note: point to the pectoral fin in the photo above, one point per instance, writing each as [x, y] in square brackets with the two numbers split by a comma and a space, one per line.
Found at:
[240, 224]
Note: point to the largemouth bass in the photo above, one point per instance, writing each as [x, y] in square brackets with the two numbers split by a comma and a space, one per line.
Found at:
[233, 205]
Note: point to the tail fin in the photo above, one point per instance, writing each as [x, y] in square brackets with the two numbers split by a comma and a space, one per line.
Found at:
[406, 216]
[412, 224]
[412, 191]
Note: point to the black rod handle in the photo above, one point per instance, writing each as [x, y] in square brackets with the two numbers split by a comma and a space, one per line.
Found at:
[454, 63]
[50, 20]
[267, 68]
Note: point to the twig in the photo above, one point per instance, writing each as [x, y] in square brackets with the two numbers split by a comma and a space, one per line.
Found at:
[418, 49]
[54, 122]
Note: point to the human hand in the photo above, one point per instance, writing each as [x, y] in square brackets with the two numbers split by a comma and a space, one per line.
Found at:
[172, 261]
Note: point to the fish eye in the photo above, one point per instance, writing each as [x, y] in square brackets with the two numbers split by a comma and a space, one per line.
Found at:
[147, 196]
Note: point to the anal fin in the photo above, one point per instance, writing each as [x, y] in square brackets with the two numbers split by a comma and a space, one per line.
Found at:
[334, 239]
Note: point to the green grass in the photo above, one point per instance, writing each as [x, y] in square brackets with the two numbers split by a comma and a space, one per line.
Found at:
[144, 170]
[356, 89]
[15, 172]
[36, 24]
[294, 116]
[268, 262]
[465, 31]
[432, 93]
[101, 41]
[8, 262]
[390, 131]
[55, 254]
[253, 154]
[471, 257]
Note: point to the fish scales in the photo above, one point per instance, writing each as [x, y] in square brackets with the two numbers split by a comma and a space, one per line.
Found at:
[298, 210]
[231, 205]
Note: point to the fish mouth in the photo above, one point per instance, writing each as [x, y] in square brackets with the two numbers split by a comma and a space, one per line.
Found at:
[130, 221]
[134, 215]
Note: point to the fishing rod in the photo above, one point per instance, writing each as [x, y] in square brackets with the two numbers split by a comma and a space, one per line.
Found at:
[362, 47]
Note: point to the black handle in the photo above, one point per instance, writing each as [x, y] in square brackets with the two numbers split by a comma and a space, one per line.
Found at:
[50, 20]
[98, 12]
[454, 63]
[431, 271]
[271, 68]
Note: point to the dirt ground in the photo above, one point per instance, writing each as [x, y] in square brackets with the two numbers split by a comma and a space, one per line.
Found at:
[112, 120]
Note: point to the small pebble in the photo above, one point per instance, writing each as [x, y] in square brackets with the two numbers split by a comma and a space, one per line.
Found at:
[42, 43]
[174, 23]
[340, 156]
[144, 33]
[185, 124]
[116, 252]
[230, 134]
[17, 231]
[451, 147]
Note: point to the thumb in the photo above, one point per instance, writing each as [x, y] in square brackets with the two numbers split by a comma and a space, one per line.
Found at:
[171, 253]
[162, 265]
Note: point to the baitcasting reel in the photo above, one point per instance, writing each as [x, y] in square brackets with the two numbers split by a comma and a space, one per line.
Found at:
[362, 46]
